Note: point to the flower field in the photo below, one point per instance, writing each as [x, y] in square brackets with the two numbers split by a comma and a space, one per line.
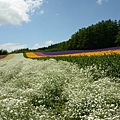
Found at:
[2, 56]
[97, 52]
[6, 57]
[60, 88]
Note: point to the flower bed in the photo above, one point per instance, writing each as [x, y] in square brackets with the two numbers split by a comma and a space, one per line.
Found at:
[106, 51]
[32, 55]
[6, 57]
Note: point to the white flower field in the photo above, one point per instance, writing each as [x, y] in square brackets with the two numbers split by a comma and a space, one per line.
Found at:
[55, 90]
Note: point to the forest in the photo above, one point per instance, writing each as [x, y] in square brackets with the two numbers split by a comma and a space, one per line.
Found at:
[103, 34]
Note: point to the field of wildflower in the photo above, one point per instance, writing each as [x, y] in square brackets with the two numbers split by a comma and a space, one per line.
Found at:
[60, 88]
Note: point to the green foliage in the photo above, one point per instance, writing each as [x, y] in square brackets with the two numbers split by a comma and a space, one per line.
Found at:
[21, 50]
[101, 35]
[3, 52]
[101, 66]
[118, 37]
[52, 96]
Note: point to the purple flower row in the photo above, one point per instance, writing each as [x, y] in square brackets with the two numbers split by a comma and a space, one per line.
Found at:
[73, 51]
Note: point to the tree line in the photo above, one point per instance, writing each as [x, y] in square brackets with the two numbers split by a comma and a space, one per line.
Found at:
[104, 34]
[21, 50]
[3, 52]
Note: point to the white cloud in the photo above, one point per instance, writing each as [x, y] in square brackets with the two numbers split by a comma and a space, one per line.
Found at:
[40, 12]
[17, 11]
[49, 42]
[36, 46]
[12, 46]
[46, 44]
[33, 4]
[15, 46]
[101, 1]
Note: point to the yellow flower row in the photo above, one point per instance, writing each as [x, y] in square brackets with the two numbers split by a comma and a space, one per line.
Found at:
[33, 55]
[95, 53]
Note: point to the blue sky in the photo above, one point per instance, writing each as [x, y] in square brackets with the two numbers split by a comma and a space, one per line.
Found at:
[38, 23]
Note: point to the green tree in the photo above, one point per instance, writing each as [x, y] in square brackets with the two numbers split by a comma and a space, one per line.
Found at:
[118, 38]
[3, 52]
[101, 35]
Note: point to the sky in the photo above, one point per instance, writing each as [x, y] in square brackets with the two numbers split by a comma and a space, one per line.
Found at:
[39, 23]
